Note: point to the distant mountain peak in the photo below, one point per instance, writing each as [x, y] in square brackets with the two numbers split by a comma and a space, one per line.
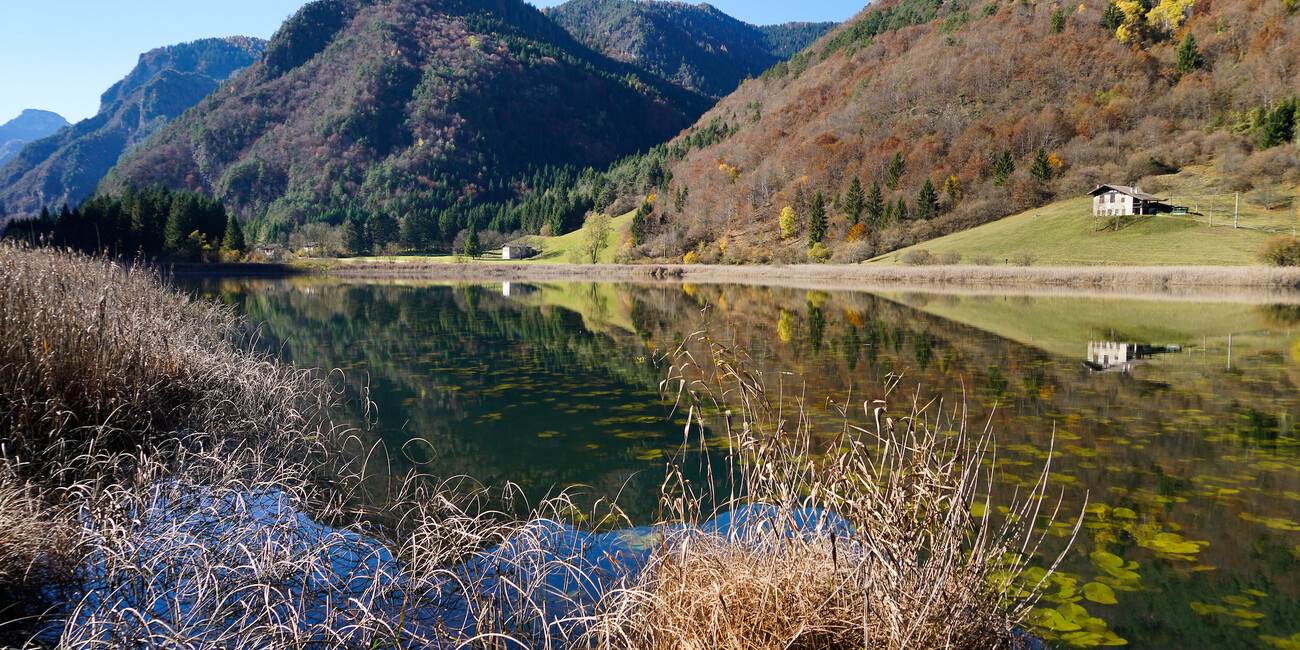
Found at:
[57, 167]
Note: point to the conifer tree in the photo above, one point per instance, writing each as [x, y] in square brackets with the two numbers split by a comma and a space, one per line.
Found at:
[234, 237]
[800, 203]
[1040, 170]
[472, 247]
[875, 206]
[950, 187]
[927, 201]
[853, 201]
[638, 229]
[1058, 21]
[816, 220]
[1003, 167]
[895, 170]
[1189, 56]
[900, 211]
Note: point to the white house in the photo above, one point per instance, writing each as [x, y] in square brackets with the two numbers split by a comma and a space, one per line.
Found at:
[517, 252]
[1114, 200]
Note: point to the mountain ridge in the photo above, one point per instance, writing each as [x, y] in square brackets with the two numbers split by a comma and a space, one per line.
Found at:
[65, 167]
[407, 107]
[695, 46]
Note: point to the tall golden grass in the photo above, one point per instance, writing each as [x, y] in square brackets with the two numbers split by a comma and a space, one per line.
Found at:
[162, 485]
[865, 541]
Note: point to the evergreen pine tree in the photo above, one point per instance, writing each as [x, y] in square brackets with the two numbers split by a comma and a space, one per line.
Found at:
[895, 170]
[1058, 21]
[816, 220]
[354, 236]
[875, 206]
[887, 215]
[234, 237]
[800, 203]
[1112, 18]
[1189, 57]
[853, 201]
[472, 247]
[927, 201]
[638, 229]
[950, 187]
[180, 223]
[1003, 167]
[900, 211]
[1040, 170]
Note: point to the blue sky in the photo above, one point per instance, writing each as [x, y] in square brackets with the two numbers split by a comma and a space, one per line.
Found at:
[59, 55]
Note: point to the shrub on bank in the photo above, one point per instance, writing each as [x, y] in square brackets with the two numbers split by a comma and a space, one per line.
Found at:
[1282, 250]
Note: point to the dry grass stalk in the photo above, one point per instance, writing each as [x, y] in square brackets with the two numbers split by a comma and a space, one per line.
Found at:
[866, 542]
[198, 476]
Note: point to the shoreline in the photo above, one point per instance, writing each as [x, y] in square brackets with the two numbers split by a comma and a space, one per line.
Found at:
[1186, 282]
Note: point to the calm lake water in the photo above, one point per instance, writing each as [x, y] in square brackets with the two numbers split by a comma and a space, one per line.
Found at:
[1175, 419]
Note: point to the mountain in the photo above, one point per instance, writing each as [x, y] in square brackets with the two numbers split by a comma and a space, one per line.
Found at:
[65, 167]
[694, 46]
[405, 106]
[963, 95]
[31, 125]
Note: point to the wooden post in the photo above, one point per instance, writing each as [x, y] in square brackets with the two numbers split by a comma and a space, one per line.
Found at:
[1236, 210]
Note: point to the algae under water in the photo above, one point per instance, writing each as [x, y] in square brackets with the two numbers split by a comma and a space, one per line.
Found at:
[1174, 419]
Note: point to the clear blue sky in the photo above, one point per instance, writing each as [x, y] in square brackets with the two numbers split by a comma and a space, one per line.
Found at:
[59, 55]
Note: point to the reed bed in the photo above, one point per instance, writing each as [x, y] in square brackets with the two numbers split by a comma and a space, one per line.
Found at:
[866, 540]
[162, 485]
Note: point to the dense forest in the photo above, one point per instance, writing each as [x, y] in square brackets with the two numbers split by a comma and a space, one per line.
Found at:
[153, 222]
[409, 112]
[694, 46]
[923, 117]
[66, 166]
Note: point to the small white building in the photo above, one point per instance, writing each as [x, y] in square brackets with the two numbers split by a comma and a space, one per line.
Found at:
[517, 252]
[1122, 200]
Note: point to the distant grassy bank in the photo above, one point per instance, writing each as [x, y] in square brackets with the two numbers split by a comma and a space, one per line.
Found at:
[849, 275]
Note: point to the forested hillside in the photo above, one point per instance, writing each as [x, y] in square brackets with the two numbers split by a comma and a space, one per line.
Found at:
[399, 115]
[65, 167]
[923, 117]
[694, 46]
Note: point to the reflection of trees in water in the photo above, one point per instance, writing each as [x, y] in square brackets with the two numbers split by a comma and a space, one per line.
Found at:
[1147, 441]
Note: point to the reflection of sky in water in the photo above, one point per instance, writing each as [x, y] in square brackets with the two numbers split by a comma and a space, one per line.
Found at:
[1187, 453]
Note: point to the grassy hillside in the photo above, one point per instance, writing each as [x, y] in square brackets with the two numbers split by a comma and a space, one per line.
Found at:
[980, 109]
[1065, 232]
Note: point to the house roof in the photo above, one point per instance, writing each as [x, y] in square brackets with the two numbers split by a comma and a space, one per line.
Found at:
[1135, 192]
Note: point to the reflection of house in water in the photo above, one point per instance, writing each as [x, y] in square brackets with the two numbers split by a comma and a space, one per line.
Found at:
[516, 289]
[1111, 356]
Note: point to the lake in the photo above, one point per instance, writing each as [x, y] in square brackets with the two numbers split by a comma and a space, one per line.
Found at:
[1172, 419]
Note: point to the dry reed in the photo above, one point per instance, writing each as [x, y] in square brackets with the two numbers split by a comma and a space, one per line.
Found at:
[161, 485]
[868, 541]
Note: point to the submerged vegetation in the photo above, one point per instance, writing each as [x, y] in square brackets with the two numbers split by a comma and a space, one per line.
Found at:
[173, 487]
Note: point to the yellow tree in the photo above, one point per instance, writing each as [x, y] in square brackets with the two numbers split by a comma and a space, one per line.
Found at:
[1134, 26]
[787, 221]
[1169, 15]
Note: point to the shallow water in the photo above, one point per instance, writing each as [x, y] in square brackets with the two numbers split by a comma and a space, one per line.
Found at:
[1175, 419]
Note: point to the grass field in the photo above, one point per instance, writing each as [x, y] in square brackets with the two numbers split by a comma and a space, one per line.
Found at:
[554, 250]
[1065, 233]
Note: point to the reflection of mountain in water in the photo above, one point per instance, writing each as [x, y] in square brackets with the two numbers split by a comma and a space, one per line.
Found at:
[1198, 454]
[1111, 356]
